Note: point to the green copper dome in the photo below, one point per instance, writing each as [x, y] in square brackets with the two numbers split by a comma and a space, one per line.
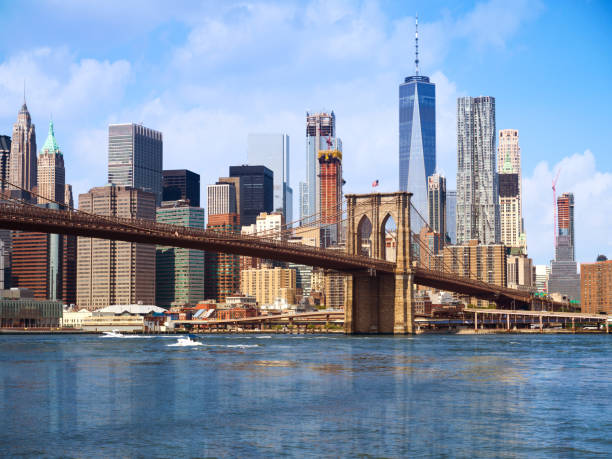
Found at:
[50, 145]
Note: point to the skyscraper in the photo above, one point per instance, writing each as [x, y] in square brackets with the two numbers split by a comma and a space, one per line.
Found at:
[181, 184]
[23, 155]
[510, 194]
[5, 155]
[69, 266]
[330, 194]
[256, 191]
[477, 181]
[51, 172]
[320, 135]
[451, 216]
[563, 278]
[115, 272]
[417, 137]
[436, 188]
[222, 270]
[135, 156]
[272, 151]
[179, 271]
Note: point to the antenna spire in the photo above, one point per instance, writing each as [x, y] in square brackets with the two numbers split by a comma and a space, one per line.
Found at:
[24, 99]
[416, 43]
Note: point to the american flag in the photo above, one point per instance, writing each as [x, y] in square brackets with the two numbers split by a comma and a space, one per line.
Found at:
[375, 183]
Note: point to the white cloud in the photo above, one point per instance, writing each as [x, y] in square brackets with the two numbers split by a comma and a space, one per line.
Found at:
[592, 196]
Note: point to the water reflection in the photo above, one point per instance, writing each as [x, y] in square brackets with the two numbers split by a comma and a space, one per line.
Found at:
[497, 396]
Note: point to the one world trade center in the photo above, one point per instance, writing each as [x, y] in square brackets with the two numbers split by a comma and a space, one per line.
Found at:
[417, 138]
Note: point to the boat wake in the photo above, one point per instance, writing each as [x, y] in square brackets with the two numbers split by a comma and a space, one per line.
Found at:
[185, 342]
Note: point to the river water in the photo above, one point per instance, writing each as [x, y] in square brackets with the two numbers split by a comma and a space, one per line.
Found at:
[307, 396]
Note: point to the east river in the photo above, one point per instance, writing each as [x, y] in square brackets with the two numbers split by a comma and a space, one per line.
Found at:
[306, 396]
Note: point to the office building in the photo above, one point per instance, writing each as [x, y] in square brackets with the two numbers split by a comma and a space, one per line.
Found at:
[37, 263]
[135, 155]
[417, 137]
[520, 270]
[69, 267]
[221, 199]
[596, 287]
[477, 186]
[179, 271]
[256, 191]
[50, 170]
[436, 191]
[451, 217]
[272, 151]
[330, 195]
[115, 272]
[222, 270]
[563, 278]
[510, 189]
[181, 185]
[541, 278]
[320, 135]
[268, 284]
[5, 164]
[22, 173]
[486, 263]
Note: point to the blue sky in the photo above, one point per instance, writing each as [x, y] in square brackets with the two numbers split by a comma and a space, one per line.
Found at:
[207, 74]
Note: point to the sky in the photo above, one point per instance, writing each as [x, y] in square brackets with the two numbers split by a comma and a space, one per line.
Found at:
[208, 73]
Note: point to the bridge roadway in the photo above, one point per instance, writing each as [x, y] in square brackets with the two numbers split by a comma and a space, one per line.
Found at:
[327, 315]
[38, 219]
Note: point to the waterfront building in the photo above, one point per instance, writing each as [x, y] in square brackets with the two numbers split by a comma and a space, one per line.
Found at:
[520, 270]
[272, 151]
[477, 182]
[222, 270]
[19, 308]
[303, 279]
[268, 284]
[135, 155]
[320, 135]
[541, 278]
[256, 191]
[563, 278]
[51, 176]
[5, 155]
[115, 272]
[74, 319]
[330, 195]
[436, 189]
[596, 287]
[181, 185]
[417, 137]
[334, 290]
[22, 173]
[484, 262]
[451, 217]
[122, 318]
[510, 189]
[179, 271]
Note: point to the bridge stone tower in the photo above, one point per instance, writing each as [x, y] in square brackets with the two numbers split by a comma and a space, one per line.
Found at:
[379, 302]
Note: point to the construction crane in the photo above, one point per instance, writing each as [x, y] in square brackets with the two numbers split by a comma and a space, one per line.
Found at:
[554, 190]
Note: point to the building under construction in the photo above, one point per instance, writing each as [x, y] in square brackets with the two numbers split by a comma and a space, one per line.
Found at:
[330, 179]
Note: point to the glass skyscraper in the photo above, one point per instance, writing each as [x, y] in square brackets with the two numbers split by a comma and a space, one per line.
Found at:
[135, 158]
[417, 138]
[272, 151]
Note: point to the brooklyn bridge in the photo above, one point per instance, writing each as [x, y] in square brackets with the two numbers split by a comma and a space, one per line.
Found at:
[379, 292]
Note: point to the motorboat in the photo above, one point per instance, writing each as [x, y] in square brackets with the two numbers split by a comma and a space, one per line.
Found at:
[112, 334]
[185, 341]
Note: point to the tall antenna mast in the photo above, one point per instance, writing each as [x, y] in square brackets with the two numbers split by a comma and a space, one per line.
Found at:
[416, 42]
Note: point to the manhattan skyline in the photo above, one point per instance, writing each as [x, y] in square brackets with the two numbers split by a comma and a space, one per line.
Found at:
[206, 99]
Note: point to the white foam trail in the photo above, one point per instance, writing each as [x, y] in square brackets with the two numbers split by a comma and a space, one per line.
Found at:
[262, 337]
[183, 344]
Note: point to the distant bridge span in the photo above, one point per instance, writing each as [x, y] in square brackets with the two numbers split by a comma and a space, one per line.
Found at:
[38, 219]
